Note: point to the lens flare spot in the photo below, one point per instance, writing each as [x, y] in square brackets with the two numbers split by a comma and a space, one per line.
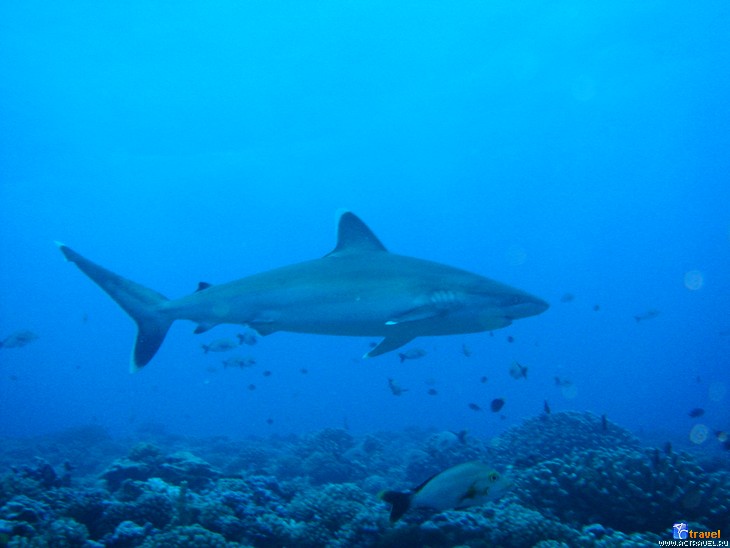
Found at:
[693, 280]
[516, 255]
[717, 391]
[699, 434]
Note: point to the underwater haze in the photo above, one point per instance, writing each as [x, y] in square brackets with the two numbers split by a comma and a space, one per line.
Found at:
[577, 151]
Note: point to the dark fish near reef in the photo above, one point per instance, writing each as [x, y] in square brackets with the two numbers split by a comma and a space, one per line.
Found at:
[563, 382]
[604, 423]
[220, 345]
[567, 297]
[358, 289]
[412, 354]
[468, 484]
[518, 371]
[496, 405]
[474, 407]
[696, 412]
[648, 315]
[546, 407]
[18, 339]
[395, 388]
[247, 338]
[239, 361]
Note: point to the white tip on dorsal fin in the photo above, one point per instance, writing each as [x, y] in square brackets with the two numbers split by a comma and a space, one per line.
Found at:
[353, 236]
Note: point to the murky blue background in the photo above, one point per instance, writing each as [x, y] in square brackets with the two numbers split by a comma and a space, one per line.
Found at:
[558, 147]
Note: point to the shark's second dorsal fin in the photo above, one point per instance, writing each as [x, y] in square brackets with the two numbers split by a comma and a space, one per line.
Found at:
[353, 236]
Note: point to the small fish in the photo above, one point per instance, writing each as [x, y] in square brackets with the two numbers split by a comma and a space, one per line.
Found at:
[18, 339]
[304, 370]
[596, 307]
[604, 423]
[247, 338]
[395, 388]
[252, 386]
[267, 373]
[269, 421]
[510, 339]
[496, 405]
[220, 345]
[474, 407]
[567, 297]
[483, 380]
[518, 371]
[461, 436]
[562, 382]
[432, 392]
[648, 315]
[696, 412]
[546, 407]
[239, 361]
[465, 350]
[467, 484]
[412, 354]
[656, 458]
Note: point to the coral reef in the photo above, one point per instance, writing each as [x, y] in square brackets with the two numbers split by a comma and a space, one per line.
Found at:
[578, 480]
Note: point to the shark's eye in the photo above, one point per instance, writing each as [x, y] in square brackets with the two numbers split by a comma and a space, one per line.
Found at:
[493, 477]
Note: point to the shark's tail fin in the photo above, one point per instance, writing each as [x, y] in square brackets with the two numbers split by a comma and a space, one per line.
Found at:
[142, 304]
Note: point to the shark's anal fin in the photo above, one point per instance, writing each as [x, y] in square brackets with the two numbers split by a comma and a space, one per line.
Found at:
[391, 342]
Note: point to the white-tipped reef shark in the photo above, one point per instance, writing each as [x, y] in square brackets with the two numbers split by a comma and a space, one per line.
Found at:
[358, 289]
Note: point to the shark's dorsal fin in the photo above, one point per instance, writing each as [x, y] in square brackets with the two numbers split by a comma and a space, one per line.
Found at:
[353, 236]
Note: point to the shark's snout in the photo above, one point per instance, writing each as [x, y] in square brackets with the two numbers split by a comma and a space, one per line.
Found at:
[523, 306]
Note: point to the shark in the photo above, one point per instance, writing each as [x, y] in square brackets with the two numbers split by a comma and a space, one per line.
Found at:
[358, 289]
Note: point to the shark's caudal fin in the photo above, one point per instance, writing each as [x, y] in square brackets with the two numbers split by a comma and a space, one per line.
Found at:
[141, 303]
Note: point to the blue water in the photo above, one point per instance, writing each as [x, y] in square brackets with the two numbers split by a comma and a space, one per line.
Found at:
[558, 147]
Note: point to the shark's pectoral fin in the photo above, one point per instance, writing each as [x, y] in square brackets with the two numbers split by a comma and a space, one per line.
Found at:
[264, 324]
[391, 342]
